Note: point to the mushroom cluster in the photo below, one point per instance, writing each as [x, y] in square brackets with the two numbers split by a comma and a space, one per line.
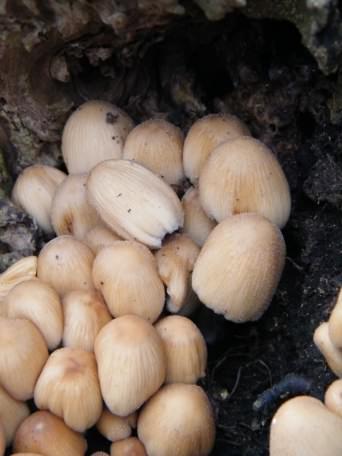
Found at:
[135, 243]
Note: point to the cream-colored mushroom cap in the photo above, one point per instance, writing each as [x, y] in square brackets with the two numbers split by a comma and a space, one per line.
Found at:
[304, 426]
[38, 302]
[197, 224]
[243, 175]
[115, 427]
[202, 138]
[333, 397]
[186, 350]
[12, 413]
[177, 420]
[127, 276]
[47, 434]
[134, 202]
[95, 132]
[69, 387]
[99, 237]
[157, 145]
[23, 353]
[335, 323]
[70, 211]
[65, 264]
[85, 313]
[131, 363]
[239, 267]
[2, 440]
[332, 355]
[34, 190]
[128, 447]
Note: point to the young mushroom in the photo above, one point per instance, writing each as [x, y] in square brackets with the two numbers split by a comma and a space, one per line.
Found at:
[131, 363]
[239, 267]
[177, 420]
[128, 447]
[114, 427]
[12, 413]
[335, 323]
[332, 354]
[99, 237]
[95, 132]
[333, 397]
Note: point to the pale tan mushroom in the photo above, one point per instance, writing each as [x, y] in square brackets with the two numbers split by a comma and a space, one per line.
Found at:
[100, 237]
[332, 355]
[114, 427]
[335, 322]
[12, 413]
[128, 447]
[333, 397]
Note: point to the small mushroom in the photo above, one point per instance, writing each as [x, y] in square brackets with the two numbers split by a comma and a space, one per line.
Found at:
[69, 388]
[157, 145]
[114, 427]
[333, 397]
[239, 267]
[332, 355]
[95, 132]
[44, 433]
[12, 413]
[85, 313]
[23, 353]
[65, 264]
[99, 453]
[202, 138]
[335, 323]
[126, 274]
[131, 363]
[99, 237]
[128, 447]
[177, 420]
[242, 175]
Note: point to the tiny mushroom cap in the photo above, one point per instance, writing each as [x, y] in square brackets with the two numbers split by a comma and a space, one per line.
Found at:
[186, 350]
[243, 175]
[239, 267]
[95, 132]
[176, 260]
[65, 264]
[335, 323]
[157, 145]
[304, 426]
[131, 363]
[2, 440]
[38, 302]
[333, 397]
[177, 420]
[12, 413]
[47, 434]
[128, 447]
[127, 276]
[197, 224]
[34, 190]
[202, 138]
[115, 427]
[99, 237]
[85, 313]
[134, 202]
[23, 353]
[332, 355]
[70, 212]
[69, 387]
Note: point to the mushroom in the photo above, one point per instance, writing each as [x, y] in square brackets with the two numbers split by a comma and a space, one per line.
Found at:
[202, 138]
[333, 397]
[34, 190]
[114, 427]
[85, 313]
[70, 212]
[12, 413]
[157, 145]
[304, 426]
[2, 440]
[332, 355]
[99, 453]
[127, 276]
[176, 260]
[335, 323]
[128, 447]
[99, 237]
[177, 420]
[95, 132]
[239, 267]
[38, 302]
[23, 353]
[242, 175]
[134, 202]
[131, 363]
[69, 388]
[185, 347]
[197, 224]
[44, 433]
[65, 264]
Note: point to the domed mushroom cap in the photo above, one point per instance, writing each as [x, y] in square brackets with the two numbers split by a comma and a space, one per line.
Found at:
[332, 355]
[44, 433]
[99, 237]
[115, 427]
[128, 447]
[131, 363]
[134, 202]
[127, 276]
[335, 323]
[243, 175]
[34, 190]
[333, 397]
[178, 419]
[69, 387]
[157, 145]
[12, 413]
[303, 426]
[206, 134]
[239, 267]
[65, 264]
[95, 132]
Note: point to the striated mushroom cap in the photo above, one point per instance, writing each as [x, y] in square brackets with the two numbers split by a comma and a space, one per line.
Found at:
[12, 413]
